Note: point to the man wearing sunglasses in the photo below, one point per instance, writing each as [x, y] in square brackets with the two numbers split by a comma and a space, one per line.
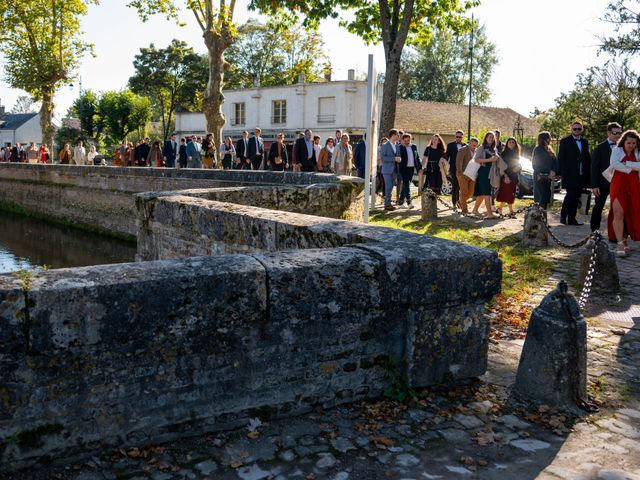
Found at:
[574, 163]
[599, 163]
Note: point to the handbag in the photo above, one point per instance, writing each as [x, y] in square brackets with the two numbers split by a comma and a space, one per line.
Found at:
[471, 170]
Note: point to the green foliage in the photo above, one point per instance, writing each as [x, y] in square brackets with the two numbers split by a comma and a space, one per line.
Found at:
[87, 109]
[41, 46]
[625, 16]
[439, 70]
[275, 54]
[64, 135]
[603, 94]
[399, 390]
[171, 76]
[123, 112]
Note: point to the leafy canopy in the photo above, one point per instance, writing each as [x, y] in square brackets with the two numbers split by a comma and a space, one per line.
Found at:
[624, 15]
[273, 54]
[40, 42]
[171, 76]
[123, 112]
[439, 70]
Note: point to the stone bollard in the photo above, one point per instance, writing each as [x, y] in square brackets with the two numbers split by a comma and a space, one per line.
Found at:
[534, 232]
[553, 364]
[605, 280]
[429, 206]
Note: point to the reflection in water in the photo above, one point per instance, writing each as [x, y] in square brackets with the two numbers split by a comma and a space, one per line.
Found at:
[27, 243]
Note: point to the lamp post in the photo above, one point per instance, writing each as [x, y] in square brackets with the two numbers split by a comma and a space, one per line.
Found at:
[518, 130]
[470, 78]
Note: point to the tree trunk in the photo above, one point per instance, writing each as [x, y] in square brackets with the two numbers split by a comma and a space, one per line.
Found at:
[46, 115]
[213, 97]
[389, 94]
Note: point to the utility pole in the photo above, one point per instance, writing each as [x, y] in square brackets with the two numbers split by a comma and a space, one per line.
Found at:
[470, 77]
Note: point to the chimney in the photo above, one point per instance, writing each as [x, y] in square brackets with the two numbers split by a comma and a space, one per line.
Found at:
[302, 78]
[351, 74]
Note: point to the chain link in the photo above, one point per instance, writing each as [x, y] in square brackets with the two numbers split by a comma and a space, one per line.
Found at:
[588, 279]
[455, 208]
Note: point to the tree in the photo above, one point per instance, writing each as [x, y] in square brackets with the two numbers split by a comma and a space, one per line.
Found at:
[87, 109]
[215, 19]
[393, 23]
[171, 76]
[286, 60]
[40, 42]
[24, 104]
[603, 94]
[439, 70]
[625, 16]
[123, 112]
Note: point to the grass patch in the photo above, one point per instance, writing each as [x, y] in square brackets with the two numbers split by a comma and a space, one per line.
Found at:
[524, 269]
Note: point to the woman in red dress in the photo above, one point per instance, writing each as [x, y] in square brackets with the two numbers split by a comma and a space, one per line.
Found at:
[624, 217]
[509, 181]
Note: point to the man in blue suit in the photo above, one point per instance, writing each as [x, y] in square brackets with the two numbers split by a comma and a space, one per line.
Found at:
[170, 151]
[390, 157]
[359, 157]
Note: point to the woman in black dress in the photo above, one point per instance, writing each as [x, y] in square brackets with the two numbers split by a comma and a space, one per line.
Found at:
[485, 155]
[431, 164]
[545, 166]
[278, 154]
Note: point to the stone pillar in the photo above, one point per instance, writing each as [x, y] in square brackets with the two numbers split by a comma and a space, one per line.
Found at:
[553, 364]
[605, 280]
[534, 232]
[429, 206]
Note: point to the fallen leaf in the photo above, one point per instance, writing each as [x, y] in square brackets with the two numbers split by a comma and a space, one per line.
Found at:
[253, 435]
[236, 464]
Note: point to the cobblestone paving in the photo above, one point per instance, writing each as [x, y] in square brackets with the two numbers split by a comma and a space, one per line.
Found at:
[463, 432]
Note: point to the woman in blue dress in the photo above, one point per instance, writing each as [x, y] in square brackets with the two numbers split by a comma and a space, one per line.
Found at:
[485, 155]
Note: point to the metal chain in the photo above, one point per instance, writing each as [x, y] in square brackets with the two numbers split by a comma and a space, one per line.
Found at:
[455, 209]
[557, 240]
[588, 279]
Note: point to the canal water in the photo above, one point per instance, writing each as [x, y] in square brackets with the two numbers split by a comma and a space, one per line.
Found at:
[27, 243]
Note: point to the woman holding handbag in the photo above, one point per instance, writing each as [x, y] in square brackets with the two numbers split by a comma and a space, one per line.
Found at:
[509, 181]
[278, 154]
[624, 216]
[486, 155]
[545, 166]
[431, 164]
[227, 153]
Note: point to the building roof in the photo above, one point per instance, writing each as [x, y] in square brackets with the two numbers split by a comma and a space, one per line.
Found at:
[13, 121]
[418, 116]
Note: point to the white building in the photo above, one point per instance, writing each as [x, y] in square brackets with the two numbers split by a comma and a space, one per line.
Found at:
[323, 107]
[19, 128]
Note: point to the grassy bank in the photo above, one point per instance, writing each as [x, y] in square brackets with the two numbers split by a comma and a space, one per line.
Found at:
[524, 269]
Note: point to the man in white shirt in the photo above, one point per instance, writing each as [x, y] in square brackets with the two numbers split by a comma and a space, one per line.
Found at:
[79, 154]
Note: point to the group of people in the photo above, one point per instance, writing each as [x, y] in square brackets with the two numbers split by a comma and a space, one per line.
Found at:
[25, 154]
[611, 170]
[475, 169]
[248, 153]
[489, 170]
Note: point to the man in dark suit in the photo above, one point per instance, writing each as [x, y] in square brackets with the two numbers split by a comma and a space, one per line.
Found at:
[575, 168]
[242, 148]
[142, 153]
[599, 163]
[255, 150]
[170, 151]
[451, 154]
[409, 163]
[305, 154]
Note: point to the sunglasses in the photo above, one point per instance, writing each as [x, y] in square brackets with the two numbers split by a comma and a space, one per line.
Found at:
[458, 136]
[577, 129]
[616, 133]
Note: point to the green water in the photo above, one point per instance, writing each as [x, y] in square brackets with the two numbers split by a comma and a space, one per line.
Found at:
[27, 243]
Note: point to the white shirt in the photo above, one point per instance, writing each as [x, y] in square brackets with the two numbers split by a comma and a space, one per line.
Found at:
[410, 156]
[393, 145]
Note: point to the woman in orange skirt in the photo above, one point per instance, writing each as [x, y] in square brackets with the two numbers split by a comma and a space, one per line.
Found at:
[624, 217]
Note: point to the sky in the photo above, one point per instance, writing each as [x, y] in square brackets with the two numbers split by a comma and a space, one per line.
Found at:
[542, 45]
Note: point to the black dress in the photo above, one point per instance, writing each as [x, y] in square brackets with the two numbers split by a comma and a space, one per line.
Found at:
[431, 169]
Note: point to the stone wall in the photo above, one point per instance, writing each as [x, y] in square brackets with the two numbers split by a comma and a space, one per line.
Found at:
[137, 353]
[101, 198]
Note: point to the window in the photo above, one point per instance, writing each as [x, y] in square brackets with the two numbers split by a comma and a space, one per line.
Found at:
[279, 111]
[327, 110]
[238, 114]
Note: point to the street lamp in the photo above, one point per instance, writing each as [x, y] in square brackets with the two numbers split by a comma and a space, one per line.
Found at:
[518, 130]
[470, 78]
